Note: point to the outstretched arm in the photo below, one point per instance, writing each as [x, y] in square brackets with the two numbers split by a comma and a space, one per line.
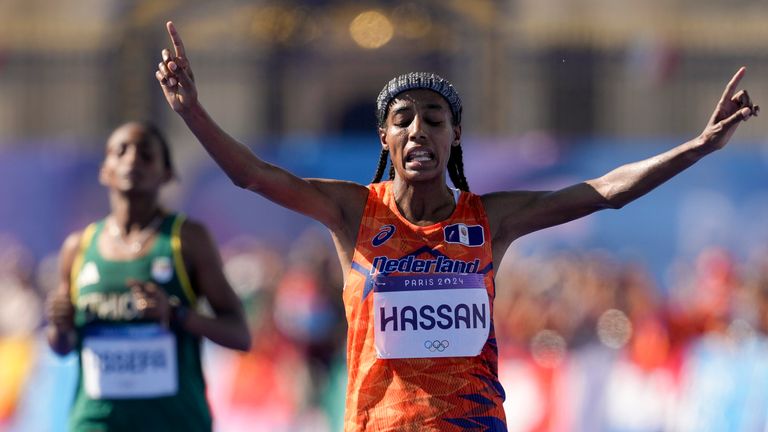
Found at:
[513, 214]
[336, 204]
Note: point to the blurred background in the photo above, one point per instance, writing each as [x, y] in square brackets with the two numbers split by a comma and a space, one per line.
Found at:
[651, 318]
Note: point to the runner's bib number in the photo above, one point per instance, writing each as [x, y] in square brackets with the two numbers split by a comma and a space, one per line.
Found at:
[430, 315]
[128, 362]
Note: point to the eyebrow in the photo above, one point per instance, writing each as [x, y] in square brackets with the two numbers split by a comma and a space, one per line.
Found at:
[402, 109]
[434, 106]
[431, 106]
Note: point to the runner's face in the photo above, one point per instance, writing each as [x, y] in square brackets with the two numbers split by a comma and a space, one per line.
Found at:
[134, 161]
[419, 133]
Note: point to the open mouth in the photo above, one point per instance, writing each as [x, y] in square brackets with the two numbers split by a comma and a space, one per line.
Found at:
[130, 175]
[419, 156]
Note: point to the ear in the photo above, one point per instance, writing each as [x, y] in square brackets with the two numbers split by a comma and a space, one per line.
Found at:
[456, 136]
[102, 175]
[383, 138]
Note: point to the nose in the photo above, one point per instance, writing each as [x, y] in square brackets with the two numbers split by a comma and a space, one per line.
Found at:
[131, 155]
[416, 130]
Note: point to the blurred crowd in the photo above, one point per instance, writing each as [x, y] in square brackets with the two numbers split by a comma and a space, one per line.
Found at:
[587, 342]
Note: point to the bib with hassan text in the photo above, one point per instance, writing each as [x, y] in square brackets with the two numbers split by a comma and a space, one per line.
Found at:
[446, 315]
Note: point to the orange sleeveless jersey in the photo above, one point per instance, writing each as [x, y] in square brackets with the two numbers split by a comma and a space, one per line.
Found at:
[418, 394]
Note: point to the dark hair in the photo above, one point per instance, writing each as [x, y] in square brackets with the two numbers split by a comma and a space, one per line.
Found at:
[456, 168]
[154, 131]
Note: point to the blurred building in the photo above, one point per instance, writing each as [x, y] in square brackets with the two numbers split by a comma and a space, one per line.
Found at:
[69, 71]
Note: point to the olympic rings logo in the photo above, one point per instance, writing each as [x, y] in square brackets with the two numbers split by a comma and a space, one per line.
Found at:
[436, 345]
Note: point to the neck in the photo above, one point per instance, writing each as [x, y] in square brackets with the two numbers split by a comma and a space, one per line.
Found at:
[423, 203]
[133, 212]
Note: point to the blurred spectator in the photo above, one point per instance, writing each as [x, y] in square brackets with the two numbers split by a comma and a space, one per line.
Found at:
[296, 318]
[20, 313]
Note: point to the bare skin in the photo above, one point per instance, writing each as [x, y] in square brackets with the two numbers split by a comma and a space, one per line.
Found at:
[420, 121]
[133, 171]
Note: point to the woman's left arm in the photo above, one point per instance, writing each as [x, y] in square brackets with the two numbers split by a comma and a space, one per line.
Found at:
[514, 214]
[228, 326]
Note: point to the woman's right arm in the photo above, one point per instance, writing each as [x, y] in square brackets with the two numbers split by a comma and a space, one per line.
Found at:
[336, 204]
[59, 309]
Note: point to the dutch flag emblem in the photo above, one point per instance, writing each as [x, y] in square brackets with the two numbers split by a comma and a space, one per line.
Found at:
[468, 235]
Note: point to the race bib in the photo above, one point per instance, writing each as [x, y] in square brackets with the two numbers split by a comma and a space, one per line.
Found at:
[444, 315]
[128, 362]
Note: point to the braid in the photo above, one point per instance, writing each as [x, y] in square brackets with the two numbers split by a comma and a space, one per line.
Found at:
[383, 158]
[456, 169]
[391, 172]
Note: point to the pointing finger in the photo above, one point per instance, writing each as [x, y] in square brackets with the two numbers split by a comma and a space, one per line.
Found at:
[178, 45]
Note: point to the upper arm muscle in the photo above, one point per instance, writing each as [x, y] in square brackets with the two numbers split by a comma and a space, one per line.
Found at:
[514, 214]
[205, 268]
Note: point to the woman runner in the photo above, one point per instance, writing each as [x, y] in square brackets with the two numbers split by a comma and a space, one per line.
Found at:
[127, 295]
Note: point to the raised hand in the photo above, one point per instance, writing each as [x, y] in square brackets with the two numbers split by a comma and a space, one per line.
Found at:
[150, 301]
[733, 108]
[175, 75]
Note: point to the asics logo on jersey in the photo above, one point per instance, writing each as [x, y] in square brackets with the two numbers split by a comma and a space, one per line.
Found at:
[385, 232]
[409, 264]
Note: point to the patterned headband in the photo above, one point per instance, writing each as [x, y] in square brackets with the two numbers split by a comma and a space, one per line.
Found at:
[417, 80]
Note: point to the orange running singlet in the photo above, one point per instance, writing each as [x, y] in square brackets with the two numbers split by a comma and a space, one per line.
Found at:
[421, 349]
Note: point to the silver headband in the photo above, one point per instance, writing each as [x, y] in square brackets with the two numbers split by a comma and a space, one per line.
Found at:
[417, 80]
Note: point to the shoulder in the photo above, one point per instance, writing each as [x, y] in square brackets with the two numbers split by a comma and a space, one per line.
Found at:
[349, 197]
[193, 232]
[341, 190]
[511, 212]
[497, 203]
[72, 242]
[198, 248]
[71, 246]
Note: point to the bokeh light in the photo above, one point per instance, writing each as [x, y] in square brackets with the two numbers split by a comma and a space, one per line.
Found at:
[371, 29]
[614, 328]
[548, 348]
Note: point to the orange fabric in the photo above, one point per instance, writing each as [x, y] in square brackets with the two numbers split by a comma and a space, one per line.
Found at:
[425, 394]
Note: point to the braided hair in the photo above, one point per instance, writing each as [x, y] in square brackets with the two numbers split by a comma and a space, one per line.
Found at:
[456, 168]
[381, 165]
